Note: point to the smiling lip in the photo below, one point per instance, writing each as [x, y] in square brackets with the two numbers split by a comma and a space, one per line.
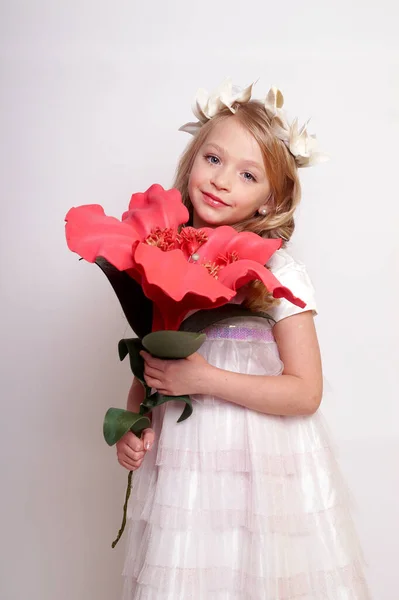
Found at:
[213, 200]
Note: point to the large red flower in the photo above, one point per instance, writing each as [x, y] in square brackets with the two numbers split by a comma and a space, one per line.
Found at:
[90, 233]
[179, 271]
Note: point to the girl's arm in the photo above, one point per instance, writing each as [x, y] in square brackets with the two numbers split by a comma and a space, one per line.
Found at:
[135, 396]
[297, 391]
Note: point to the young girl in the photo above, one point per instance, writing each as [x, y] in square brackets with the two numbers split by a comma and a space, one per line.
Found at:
[243, 500]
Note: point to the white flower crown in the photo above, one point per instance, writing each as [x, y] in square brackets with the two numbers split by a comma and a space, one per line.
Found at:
[299, 142]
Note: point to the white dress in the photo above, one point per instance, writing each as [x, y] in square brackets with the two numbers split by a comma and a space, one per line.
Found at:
[233, 504]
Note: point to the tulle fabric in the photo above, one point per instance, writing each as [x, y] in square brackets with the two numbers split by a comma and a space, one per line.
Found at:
[235, 504]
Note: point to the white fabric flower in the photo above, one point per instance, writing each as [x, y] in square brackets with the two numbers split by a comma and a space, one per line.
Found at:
[302, 145]
[274, 103]
[209, 105]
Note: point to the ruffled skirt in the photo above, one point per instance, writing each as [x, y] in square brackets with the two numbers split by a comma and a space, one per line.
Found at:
[234, 504]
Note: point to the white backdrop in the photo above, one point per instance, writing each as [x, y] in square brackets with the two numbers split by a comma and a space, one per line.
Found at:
[92, 95]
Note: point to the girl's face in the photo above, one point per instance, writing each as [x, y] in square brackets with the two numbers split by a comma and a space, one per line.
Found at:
[228, 181]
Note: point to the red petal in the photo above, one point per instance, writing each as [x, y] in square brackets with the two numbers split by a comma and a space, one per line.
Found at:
[155, 207]
[90, 233]
[169, 314]
[176, 286]
[248, 245]
[237, 274]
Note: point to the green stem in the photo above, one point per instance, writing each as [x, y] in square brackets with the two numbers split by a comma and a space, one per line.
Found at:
[128, 490]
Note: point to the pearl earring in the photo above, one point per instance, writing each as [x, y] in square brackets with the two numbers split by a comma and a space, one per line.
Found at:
[262, 211]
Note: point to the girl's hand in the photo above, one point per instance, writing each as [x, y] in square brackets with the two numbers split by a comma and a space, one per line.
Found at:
[176, 377]
[131, 449]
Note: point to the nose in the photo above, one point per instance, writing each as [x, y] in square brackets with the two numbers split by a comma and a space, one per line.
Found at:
[221, 179]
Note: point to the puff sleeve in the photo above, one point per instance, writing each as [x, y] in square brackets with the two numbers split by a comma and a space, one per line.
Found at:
[293, 275]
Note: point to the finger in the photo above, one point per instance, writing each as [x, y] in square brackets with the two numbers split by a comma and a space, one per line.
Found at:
[152, 371]
[129, 465]
[151, 360]
[122, 457]
[152, 382]
[148, 438]
[133, 442]
[132, 455]
[147, 357]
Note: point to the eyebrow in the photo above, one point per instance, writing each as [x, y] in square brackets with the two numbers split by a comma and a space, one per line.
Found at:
[251, 163]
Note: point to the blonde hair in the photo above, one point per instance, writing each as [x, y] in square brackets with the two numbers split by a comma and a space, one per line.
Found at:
[282, 174]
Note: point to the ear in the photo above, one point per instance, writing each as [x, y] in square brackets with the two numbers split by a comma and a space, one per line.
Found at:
[269, 203]
[270, 199]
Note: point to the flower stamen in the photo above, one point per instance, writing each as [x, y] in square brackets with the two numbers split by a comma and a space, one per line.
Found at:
[190, 239]
[228, 258]
[164, 239]
[212, 268]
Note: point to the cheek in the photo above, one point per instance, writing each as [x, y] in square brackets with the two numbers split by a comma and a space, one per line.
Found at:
[249, 203]
[195, 178]
[191, 184]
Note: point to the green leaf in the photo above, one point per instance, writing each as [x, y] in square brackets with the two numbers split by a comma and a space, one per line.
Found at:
[149, 402]
[173, 344]
[118, 421]
[158, 399]
[202, 319]
[133, 347]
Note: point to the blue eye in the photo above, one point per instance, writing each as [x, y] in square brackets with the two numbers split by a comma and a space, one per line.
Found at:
[249, 176]
[213, 160]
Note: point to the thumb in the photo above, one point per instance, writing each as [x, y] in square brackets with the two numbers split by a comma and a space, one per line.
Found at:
[148, 438]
